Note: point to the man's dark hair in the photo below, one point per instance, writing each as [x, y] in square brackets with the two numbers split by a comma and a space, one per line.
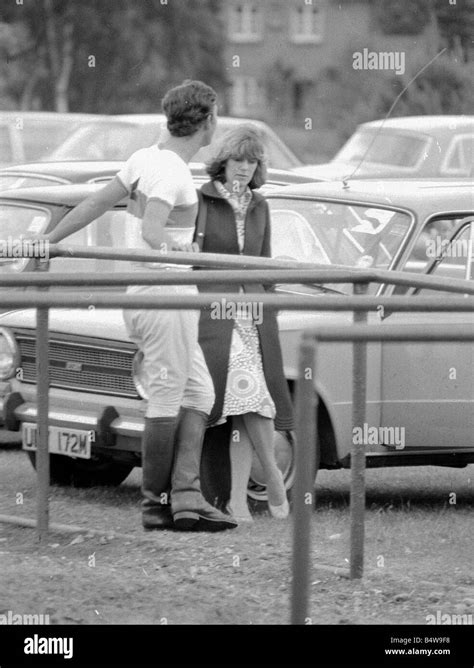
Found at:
[187, 106]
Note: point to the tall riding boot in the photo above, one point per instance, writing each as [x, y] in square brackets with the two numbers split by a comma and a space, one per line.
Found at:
[191, 512]
[157, 464]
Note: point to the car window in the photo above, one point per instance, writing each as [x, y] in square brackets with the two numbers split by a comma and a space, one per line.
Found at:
[40, 136]
[384, 147]
[277, 153]
[336, 233]
[431, 241]
[457, 259]
[460, 156]
[112, 230]
[434, 241]
[351, 235]
[8, 181]
[301, 244]
[17, 221]
[103, 141]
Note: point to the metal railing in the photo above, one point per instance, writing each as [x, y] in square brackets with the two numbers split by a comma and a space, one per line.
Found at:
[247, 270]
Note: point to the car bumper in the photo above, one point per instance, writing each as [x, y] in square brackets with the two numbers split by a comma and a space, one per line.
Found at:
[110, 428]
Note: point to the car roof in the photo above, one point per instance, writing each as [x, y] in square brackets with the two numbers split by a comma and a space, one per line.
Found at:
[68, 169]
[160, 118]
[83, 170]
[455, 194]
[449, 194]
[423, 123]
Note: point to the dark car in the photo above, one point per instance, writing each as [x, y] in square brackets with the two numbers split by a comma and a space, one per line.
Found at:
[63, 173]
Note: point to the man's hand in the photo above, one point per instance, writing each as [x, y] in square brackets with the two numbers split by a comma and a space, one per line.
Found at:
[186, 248]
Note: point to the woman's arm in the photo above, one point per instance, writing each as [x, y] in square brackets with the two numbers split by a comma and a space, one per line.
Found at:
[267, 234]
[267, 242]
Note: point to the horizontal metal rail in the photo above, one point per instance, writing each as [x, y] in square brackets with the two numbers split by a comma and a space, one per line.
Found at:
[334, 274]
[199, 301]
[389, 332]
[242, 276]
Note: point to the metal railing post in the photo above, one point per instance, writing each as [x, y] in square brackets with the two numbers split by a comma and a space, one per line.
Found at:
[42, 452]
[359, 395]
[303, 490]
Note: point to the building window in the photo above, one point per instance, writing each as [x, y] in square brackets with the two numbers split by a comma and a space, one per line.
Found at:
[244, 97]
[245, 21]
[307, 21]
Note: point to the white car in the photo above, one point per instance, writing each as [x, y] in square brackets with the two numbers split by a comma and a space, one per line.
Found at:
[117, 137]
[28, 135]
[413, 146]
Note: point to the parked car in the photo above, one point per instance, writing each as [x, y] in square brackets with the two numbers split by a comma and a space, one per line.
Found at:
[28, 135]
[117, 137]
[61, 173]
[414, 146]
[393, 224]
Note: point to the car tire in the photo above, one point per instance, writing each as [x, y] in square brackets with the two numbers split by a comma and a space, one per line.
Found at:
[85, 472]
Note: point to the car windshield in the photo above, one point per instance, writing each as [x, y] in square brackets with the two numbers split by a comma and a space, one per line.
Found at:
[8, 181]
[278, 155]
[303, 230]
[15, 222]
[384, 147]
[117, 140]
[106, 141]
[334, 233]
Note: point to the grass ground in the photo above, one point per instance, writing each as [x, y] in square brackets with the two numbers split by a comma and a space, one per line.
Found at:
[418, 556]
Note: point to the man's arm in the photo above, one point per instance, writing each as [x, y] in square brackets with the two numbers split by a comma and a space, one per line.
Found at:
[88, 210]
[153, 227]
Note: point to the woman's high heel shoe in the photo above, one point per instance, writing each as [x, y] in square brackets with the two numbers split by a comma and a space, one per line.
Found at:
[282, 511]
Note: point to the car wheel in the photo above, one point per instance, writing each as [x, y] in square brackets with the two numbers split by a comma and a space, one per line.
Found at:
[85, 472]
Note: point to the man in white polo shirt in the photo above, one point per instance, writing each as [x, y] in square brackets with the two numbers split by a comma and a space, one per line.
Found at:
[163, 202]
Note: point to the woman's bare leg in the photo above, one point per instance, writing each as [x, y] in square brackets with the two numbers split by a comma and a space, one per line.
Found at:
[241, 464]
[261, 433]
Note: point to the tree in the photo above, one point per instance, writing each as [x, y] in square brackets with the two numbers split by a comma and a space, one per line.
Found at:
[456, 25]
[403, 17]
[112, 55]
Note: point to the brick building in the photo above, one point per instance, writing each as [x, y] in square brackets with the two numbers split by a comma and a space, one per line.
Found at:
[280, 52]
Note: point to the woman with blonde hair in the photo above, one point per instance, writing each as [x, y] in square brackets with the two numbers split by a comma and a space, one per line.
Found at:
[243, 351]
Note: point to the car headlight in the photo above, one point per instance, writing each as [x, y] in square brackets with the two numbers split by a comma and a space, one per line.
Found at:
[9, 354]
[139, 375]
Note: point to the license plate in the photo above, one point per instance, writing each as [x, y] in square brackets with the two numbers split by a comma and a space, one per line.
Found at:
[61, 441]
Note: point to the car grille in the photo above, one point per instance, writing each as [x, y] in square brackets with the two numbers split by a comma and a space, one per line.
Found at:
[85, 367]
